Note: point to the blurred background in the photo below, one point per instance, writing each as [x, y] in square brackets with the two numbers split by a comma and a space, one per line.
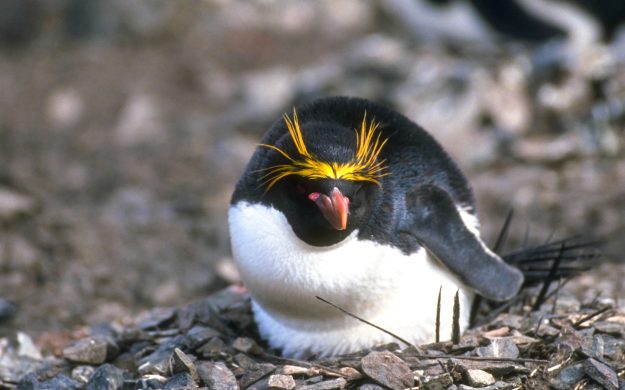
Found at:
[124, 125]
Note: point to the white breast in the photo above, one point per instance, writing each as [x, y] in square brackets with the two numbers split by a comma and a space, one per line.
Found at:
[377, 282]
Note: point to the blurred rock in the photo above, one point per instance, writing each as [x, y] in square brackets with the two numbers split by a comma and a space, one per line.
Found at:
[90, 350]
[14, 204]
[64, 108]
[217, 376]
[7, 310]
[106, 377]
[140, 121]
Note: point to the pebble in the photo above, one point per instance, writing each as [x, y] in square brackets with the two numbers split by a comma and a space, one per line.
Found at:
[181, 381]
[281, 382]
[502, 347]
[478, 378]
[258, 372]
[568, 377]
[334, 384]
[217, 376]
[438, 382]
[246, 345]
[387, 369]
[14, 204]
[89, 350]
[609, 327]
[181, 362]
[82, 374]
[601, 373]
[106, 377]
[8, 310]
[26, 347]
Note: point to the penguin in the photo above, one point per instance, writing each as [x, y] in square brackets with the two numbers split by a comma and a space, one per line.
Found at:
[350, 201]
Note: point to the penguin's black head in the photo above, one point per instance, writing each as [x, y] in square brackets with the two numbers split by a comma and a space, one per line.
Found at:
[324, 177]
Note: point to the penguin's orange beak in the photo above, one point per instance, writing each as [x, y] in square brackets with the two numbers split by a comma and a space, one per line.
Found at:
[334, 208]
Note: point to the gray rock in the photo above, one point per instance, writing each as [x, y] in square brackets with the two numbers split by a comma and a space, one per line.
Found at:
[495, 368]
[438, 382]
[387, 369]
[8, 310]
[181, 381]
[613, 328]
[478, 378]
[14, 204]
[106, 377]
[500, 347]
[497, 386]
[198, 335]
[27, 347]
[90, 350]
[181, 362]
[58, 382]
[217, 376]
[281, 382]
[568, 377]
[258, 372]
[338, 383]
[369, 386]
[158, 362]
[601, 373]
[82, 374]
[246, 345]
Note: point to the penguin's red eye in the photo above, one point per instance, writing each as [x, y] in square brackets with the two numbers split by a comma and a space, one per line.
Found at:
[300, 188]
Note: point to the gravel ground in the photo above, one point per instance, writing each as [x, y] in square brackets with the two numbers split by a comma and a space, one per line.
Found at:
[122, 139]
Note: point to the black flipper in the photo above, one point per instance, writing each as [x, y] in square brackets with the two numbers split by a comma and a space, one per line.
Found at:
[434, 221]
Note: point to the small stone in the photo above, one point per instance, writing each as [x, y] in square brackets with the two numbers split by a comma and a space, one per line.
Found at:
[181, 362]
[609, 327]
[82, 374]
[213, 349]
[89, 350]
[387, 369]
[106, 377]
[601, 373]
[438, 382]
[338, 383]
[246, 345]
[495, 368]
[350, 373]
[568, 377]
[158, 362]
[14, 204]
[157, 318]
[59, 382]
[478, 378]
[278, 381]
[369, 386]
[200, 334]
[252, 376]
[217, 376]
[500, 347]
[27, 347]
[180, 381]
[8, 309]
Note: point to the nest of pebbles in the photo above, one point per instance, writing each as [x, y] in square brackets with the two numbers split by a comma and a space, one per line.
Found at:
[213, 344]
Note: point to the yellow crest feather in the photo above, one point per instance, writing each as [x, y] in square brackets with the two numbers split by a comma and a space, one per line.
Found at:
[364, 166]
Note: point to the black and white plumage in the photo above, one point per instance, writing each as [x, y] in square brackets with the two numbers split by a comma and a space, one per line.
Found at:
[351, 201]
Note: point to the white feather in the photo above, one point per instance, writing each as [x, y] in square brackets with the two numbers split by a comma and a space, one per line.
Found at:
[377, 282]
